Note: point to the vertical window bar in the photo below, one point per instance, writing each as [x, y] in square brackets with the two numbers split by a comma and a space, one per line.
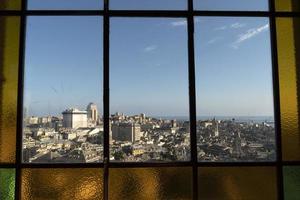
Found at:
[276, 97]
[192, 97]
[19, 129]
[106, 95]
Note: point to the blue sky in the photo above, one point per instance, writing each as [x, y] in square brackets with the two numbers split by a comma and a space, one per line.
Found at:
[233, 66]
[65, 4]
[63, 64]
[149, 66]
[153, 4]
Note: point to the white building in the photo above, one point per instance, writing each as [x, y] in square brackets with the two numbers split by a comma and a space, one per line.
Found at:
[33, 120]
[74, 118]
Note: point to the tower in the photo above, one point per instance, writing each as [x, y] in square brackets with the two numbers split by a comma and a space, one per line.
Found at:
[92, 112]
[237, 149]
[216, 128]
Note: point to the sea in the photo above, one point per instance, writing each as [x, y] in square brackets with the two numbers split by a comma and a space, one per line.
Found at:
[254, 119]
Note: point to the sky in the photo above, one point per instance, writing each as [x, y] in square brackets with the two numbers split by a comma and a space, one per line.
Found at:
[63, 64]
[233, 66]
[148, 63]
[150, 5]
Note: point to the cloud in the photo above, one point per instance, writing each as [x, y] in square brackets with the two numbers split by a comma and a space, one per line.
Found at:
[183, 22]
[150, 48]
[214, 40]
[221, 28]
[237, 25]
[249, 34]
[179, 23]
[234, 26]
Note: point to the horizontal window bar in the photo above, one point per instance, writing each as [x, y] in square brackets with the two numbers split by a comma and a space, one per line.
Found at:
[147, 13]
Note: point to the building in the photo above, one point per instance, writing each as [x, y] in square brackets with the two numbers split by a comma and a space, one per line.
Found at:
[173, 123]
[92, 112]
[33, 120]
[126, 132]
[74, 118]
[44, 120]
[216, 128]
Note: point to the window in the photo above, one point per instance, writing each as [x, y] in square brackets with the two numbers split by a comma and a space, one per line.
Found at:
[180, 100]
[235, 114]
[63, 90]
[147, 66]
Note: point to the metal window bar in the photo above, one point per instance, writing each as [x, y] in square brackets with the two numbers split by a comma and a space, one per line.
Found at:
[189, 14]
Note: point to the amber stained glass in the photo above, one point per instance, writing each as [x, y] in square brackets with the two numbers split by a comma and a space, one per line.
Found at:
[9, 48]
[150, 183]
[287, 5]
[232, 183]
[288, 41]
[10, 4]
[49, 184]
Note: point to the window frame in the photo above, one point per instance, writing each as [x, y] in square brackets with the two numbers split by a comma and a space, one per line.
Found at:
[189, 15]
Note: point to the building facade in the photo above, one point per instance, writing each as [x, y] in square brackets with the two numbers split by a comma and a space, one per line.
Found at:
[126, 132]
[74, 118]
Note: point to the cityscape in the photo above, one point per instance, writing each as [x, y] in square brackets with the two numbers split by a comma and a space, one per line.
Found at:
[76, 136]
[149, 95]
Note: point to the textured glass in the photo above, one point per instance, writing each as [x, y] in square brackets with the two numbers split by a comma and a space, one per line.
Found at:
[288, 42]
[65, 4]
[235, 110]
[233, 183]
[61, 184]
[10, 5]
[9, 48]
[287, 5]
[150, 183]
[235, 5]
[7, 184]
[63, 90]
[149, 121]
[291, 178]
[148, 5]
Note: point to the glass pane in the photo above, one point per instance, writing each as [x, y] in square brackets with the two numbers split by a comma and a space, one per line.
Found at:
[291, 182]
[288, 42]
[7, 184]
[10, 5]
[9, 59]
[149, 75]
[222, 183]
[235, 117]
[48, 184]
[148, 5]
[63, 74]
[287, 5]
[65, 4]
[235, 5]
[150, 183]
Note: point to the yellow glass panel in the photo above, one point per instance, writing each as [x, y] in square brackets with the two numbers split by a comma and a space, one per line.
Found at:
[150, 183]
[9, 48]
[62, 184]
[10, 4]
[287, 5]
[288, 60]
[235, 183]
